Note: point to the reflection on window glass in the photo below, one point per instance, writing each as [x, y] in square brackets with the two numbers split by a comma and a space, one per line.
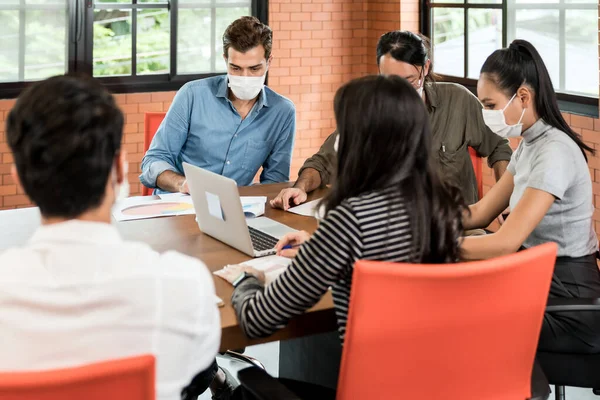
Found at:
[225, 16]
[540, 27]
[193, 41]
[33, 40]
[581, 45]
[112, 42]
[9, 46]
[153, 42]
[448, 41]
[485, 36]
[45, 43]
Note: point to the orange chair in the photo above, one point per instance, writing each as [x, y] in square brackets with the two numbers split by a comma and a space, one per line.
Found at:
[152, 121]
[454, 331]
[126, 379]
[478, 168]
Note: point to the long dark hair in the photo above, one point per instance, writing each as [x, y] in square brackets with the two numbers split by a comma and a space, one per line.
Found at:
[411, 48]
[384, 143]
[521, 64]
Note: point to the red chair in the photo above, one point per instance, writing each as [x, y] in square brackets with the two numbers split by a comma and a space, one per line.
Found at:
[454, 331]
[125, 379]
[152, 121]
[478, 168]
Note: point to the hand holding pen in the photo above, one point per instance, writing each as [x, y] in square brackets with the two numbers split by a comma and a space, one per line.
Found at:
[288, 245]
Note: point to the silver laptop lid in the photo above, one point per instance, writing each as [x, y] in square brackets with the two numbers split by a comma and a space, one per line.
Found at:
[219, 211]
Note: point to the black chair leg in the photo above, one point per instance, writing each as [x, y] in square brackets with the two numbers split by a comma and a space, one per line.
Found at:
[560, 392]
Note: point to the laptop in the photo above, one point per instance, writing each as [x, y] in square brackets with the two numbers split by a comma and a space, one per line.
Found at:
[219, 214]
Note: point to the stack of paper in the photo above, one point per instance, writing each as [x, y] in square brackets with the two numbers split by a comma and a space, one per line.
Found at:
[272, 266]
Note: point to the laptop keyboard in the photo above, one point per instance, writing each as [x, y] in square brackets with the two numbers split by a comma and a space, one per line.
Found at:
[261, 241]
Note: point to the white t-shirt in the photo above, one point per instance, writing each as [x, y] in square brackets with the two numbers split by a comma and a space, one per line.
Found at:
[77, 293]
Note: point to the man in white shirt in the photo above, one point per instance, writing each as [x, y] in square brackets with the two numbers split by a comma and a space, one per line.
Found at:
[77, 293]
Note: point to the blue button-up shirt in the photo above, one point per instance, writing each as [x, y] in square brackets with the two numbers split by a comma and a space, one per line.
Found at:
[203, 128]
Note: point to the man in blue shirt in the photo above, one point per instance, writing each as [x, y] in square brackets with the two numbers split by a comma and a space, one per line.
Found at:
[231, 125]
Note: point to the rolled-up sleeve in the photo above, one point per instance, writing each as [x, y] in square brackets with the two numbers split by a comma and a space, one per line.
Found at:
[324, 161]
[276, 167]
[169, 140]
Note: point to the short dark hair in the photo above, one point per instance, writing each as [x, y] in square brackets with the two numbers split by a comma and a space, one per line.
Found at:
[521, 64]
[385, 142]
[246, 33]
[411, 48]
[65, 133]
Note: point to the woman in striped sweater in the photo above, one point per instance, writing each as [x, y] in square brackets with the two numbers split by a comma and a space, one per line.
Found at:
[387, 204]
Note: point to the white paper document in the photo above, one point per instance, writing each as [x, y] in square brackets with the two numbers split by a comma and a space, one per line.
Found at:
[145, 207]
[272, 266]
[254, 206]
[308, 209]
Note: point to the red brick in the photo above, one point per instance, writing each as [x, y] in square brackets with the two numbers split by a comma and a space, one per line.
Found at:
[159, 97]
[310, 79]
[291, 8]
[129, 108]
[312, 26]
[134, 138]
[301, 34]
[7, 158]
[313, 8]
[139, 98]
[300, 16]
[8, 190]
[16, 200]
[311, 61]
[590, 136]
[134, 118]
[578, 121]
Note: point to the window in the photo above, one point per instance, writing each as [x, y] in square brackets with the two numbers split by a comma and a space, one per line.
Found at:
[565, 32]
[131, 45]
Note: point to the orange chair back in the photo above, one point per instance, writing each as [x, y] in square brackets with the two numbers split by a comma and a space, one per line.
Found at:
[125, 379]
[152, 121]
[453, 332]
[478, 168]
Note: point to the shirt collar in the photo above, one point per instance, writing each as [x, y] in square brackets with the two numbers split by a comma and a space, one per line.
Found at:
[430, 95]
[223, 91]
[76, 231]
[535, 131]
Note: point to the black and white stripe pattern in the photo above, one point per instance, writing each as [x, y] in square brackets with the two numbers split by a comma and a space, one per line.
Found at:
[374, 226]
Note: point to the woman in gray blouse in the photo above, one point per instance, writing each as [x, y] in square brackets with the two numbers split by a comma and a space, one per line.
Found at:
[547, 187]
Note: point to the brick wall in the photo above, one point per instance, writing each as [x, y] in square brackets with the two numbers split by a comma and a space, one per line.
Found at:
[318, 45]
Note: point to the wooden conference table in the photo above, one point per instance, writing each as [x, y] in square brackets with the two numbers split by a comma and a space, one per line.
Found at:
[182, 234]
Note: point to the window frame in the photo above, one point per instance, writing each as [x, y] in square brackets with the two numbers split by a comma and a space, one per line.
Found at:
[575, 104]
[80, 17]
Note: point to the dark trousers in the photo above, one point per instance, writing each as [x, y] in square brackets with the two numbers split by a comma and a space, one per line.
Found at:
[200, 383]
[573, 331]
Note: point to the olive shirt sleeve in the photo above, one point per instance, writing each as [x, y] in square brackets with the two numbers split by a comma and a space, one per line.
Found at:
[324, 161]
[485, 142]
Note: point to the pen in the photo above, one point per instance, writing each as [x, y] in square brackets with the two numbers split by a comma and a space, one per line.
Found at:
[289, 246]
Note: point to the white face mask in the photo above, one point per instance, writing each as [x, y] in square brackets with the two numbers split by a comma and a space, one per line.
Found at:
[496, 121]
[337, 143]
[122, 189]
[246, 87]
[420, 88]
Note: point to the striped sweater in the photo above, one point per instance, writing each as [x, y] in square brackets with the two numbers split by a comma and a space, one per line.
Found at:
[373, 226]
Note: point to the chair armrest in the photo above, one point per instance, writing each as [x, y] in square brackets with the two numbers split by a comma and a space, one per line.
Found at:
[263, 386]
[572, 304]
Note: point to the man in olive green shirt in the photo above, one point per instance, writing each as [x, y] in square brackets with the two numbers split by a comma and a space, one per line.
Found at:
[456, 124]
